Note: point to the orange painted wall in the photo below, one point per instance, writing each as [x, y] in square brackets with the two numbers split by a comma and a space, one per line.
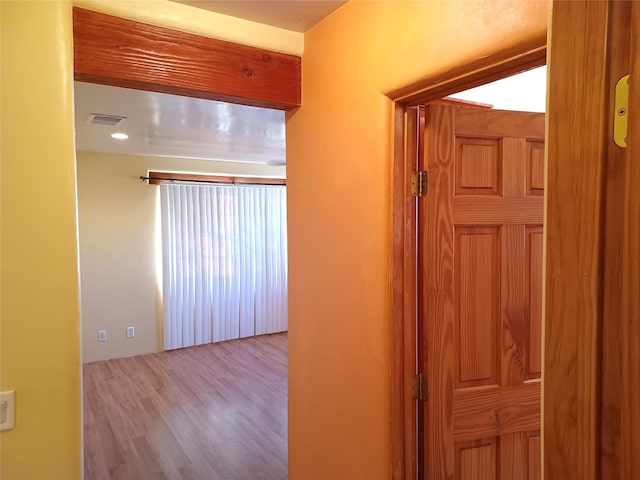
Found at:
[338, 168]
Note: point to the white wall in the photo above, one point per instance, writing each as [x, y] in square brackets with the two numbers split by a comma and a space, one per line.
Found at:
[119, 286]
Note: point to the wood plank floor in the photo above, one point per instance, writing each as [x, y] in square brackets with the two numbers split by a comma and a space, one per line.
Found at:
[212, 412]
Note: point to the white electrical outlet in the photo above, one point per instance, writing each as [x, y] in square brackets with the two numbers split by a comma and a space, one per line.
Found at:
[131, 332]
[102, 335]
[7, 409]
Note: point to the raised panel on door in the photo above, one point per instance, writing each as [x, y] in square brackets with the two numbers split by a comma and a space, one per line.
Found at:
[476, 301]
[476, 459]
[520, 456]
[535, 167]
[534, 456]
[513, 318]
[533, 278]
[481, 294]
[478, 166]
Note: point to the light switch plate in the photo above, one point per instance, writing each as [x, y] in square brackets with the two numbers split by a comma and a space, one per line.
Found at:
[7, 409]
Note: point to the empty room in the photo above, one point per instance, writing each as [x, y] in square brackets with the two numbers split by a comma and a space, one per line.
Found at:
[183, 265]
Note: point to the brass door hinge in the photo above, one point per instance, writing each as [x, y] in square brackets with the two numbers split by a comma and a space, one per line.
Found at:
[419, 184]
[419, 387]
[621, 112]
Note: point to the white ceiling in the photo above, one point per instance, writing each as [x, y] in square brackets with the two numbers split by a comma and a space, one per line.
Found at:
[175, 126]
[298, 15]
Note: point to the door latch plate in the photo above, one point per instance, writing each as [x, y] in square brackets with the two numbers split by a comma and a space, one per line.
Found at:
[621, 112]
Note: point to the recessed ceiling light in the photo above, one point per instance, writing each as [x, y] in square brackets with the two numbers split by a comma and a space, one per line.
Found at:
[119, 136]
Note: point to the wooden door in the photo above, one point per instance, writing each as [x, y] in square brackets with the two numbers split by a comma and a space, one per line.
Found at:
[480, 293]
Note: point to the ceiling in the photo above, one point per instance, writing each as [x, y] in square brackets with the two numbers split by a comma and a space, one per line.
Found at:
[298, 15]
[175, 126]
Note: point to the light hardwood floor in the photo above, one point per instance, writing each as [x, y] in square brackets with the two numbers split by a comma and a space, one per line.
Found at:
[212, 412]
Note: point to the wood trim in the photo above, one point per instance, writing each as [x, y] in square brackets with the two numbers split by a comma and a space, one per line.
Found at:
[415, 335]
[473, 74]
[113, 51]
[404, 453]
[403, 314]
[459, 102]
[576, 155]
[612, 338]
[158, 178]
[630, 375]
[397, 300]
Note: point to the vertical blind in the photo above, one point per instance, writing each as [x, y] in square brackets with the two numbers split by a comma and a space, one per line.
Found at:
[224, 254]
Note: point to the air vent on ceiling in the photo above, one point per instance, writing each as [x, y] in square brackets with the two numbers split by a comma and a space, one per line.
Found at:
[105, 120]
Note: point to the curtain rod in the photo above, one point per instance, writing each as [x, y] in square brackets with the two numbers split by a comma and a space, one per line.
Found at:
[214, 182]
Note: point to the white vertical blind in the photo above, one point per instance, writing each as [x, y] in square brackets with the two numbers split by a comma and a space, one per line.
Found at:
[224, 262]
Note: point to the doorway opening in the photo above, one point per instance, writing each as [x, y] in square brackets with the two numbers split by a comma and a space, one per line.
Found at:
[480, 232]
[412, 147]
[149, 410]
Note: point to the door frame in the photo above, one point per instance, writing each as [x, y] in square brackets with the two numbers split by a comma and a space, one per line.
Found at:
[406, 145]
[591, 303]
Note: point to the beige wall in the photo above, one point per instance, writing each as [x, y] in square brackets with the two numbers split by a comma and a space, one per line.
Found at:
[117, 230]
[339, 164]
[40, 351]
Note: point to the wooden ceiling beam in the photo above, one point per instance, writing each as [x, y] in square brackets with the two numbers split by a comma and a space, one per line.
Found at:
[113, 51]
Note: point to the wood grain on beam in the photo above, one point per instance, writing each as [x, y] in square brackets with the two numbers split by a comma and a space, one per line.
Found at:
[123, 53]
